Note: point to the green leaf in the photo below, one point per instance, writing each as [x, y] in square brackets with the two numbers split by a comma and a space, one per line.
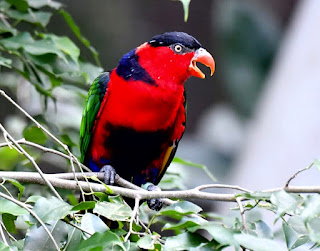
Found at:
[41, 18]
[285, 202]
[34, 134]
[5, 62]
[89, 71]
[72, 199]
[185, 5]
[19, 244]
[115, 199]
[101, 196]
[293, 240]
[37, 238]
[180, 208]
[85, 205]
[184, 241]
[4, 29]
[51, 210]
[20, 5]
[101, 241]
[223, 235]
[33, 198]
[146, 242]
[297, 223]
[108, 189]
[314, 229]
[65, 45]
[74, 239]
[4, 6]
[44, 92]
[184, 224]
[257, 244]
[189, 163]
[43, 46]
[317, 164]
[9, 158]
[8, 221]
[257, 195]
[113, 211]
[9, 207]
[263, 230]
[17, 185]
[37, 4]
[16, 42]
[4, 247]
[76, 30]
[171, 181]
[67, 140]
[311, 207]
[92, 224]
[35, 47]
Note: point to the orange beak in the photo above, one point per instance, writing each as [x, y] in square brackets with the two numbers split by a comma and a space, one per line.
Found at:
[203, 57]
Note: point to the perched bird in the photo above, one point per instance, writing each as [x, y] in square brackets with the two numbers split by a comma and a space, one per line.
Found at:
[135, 114]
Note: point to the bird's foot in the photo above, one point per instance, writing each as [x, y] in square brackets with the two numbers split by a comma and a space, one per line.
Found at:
[154, 204]
[109, 174]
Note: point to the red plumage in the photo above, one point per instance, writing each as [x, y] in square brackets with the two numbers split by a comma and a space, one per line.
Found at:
[142, 114]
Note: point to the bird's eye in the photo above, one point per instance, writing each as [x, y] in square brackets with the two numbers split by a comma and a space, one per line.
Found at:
[178, 48]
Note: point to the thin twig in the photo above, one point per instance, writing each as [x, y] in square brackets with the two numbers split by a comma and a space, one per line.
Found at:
[295, 175]
[69, 240]
[3, 237]
[135, 214]
[242, 213]
[30, 159]
[65, 147]
[145, 227]
[33, 214]
[5, 189]
[4, 20]
[10, 235]
[76, 226]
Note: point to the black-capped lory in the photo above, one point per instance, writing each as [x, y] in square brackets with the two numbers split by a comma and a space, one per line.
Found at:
[135, 114]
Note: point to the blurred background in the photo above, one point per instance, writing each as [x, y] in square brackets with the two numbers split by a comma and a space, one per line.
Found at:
[254, 123]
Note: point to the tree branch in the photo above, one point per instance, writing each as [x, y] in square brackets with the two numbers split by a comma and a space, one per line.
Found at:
[62, 181]
[296, 174]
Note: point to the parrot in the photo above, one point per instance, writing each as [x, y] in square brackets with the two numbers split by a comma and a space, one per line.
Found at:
[135, 114]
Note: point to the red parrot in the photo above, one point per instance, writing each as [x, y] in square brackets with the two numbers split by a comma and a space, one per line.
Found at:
[135, 114]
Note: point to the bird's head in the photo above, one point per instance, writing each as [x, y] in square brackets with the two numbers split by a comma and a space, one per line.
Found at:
[168, 57]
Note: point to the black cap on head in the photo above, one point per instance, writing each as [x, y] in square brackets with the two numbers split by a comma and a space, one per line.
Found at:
[174, 37]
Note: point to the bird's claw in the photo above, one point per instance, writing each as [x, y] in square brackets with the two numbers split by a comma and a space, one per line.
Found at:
[109, 174]
[154, 204]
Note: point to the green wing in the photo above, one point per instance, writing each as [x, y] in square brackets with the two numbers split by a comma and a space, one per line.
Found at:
[95, 97]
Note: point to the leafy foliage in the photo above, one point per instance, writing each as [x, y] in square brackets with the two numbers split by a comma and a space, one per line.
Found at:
[49, 61]
[45, 60]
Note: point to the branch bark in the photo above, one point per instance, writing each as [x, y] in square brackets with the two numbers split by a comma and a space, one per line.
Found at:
[63, 180]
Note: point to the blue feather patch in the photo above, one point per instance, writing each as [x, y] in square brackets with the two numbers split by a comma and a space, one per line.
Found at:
[130, 68]
[93, 166]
